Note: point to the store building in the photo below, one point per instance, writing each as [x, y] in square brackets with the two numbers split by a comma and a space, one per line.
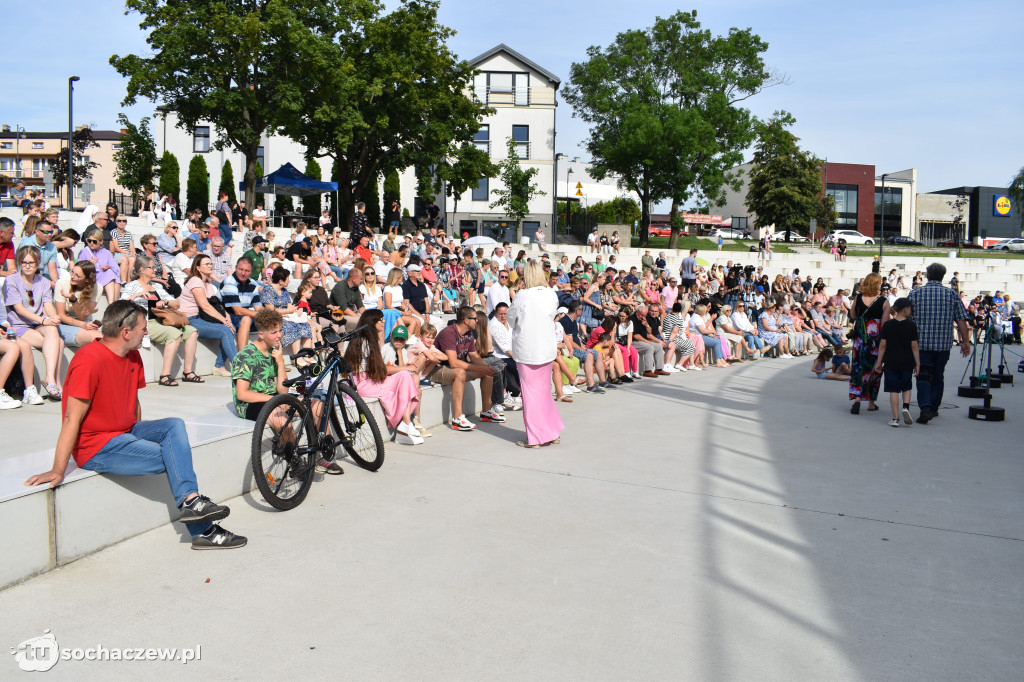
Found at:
[991, 215]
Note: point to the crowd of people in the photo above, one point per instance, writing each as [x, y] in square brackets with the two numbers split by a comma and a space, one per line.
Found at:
[532, 331]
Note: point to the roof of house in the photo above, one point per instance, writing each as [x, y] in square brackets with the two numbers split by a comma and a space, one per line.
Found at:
[28, 135]
[502, 47]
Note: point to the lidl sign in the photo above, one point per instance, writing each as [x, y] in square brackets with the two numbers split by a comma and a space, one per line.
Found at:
[1001, 205]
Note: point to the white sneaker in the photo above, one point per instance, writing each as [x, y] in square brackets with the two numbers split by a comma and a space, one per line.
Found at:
[569, 390]
[406, 439]
[695, 368]
[908, 419]
[31, 397]
[669, 368]
[511, 404]
[680, 368]
[460, 423]
[785, 355]
[407, 430]
[7, 402]
[492, 416]
[500, 409]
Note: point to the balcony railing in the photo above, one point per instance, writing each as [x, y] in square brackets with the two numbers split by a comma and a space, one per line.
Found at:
[519, 97]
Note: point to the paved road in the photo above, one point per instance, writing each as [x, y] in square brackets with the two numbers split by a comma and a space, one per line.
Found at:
[731, 525]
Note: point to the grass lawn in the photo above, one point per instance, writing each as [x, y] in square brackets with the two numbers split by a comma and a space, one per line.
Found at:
[687, 243]
[931, 252]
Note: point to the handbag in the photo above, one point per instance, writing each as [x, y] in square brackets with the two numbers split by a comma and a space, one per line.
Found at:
[218, 305]
[169, 317]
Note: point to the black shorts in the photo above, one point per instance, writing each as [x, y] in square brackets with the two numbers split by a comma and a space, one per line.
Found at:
[688, 282]
[898, 380]
[252, 411]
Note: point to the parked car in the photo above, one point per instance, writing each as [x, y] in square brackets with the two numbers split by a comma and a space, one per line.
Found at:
[1007, 245]
[728, 233]
[902, 240]
[663, 230]
[851, 237]
[951, 244]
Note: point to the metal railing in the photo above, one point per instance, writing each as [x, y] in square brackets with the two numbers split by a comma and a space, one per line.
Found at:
[519, 97]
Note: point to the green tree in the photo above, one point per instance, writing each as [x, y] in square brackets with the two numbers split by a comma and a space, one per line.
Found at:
[662, 105]
[784, 183]
[260, 198]
[197, 186]
[514, 198]
[390, 96]
[235, 64]
[227, 181]
[463, 171]
[620, 211]
[81, 142]
[1016, 194]
[311, 203]
[392, 190]
[170, 177]
[371, 197]
[135, 163]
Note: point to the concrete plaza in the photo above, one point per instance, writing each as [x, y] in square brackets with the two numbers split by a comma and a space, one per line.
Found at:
[733, 524]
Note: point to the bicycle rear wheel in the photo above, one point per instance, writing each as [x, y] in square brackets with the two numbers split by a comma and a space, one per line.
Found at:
[283, 459]
[356, 429]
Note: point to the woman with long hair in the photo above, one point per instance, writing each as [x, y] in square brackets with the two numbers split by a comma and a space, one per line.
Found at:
[65, 253]
[531, 318]
[870, 312]
[33, 319]
[394, 299]
[593, 309]
[75, 298]
[103, 260]
[195, 297]
[144, 291]
[673, 328]
[395, 386]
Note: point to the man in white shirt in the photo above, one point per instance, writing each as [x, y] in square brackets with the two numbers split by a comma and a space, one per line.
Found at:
[221, 261]
[741, 322]
[498, 293]
[501, 342]
[181, 263]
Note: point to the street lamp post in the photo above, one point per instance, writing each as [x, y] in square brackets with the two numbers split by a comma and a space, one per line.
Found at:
[71, 146]
[881, 241]
[18, 130]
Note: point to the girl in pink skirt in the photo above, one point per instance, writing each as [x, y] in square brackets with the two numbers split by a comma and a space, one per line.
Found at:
[396, 387]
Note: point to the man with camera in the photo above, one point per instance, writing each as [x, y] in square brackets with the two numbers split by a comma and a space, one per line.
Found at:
[936, 310]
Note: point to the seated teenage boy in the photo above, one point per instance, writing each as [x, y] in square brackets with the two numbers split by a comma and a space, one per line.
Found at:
[258, 374]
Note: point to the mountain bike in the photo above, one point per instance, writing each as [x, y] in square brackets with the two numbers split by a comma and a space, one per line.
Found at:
[291, 435]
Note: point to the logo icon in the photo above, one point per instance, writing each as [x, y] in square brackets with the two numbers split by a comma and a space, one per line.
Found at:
[38, 654]
[1003, 207]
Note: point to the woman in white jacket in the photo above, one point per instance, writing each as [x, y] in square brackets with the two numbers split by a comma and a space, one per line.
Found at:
[532, 318]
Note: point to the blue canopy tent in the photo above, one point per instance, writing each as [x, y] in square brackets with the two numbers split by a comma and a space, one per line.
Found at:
[287, 180]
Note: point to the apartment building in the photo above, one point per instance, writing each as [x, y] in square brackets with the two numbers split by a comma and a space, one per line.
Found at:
[26, 155]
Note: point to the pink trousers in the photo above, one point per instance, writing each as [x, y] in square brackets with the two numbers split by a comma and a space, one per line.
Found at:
[540, 413]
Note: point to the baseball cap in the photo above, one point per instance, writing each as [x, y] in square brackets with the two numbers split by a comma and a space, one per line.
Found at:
[258, 240]
[413, 268]
[562, 311]
[400, 332]
[761, 289]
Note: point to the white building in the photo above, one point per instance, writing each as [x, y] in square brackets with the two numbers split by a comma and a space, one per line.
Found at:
[523, 96]
[576, 182]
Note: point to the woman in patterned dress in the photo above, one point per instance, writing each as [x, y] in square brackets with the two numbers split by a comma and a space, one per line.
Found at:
[870, 311]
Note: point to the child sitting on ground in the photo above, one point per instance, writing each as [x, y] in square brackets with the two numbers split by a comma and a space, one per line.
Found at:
[841, 362]
[899, 354]
[820, 367]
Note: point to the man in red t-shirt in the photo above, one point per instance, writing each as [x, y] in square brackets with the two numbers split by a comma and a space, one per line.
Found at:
[7, 266]
[103, 431]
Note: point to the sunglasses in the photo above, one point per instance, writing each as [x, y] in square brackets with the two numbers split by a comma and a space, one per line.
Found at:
[92, 241]
[31, 298]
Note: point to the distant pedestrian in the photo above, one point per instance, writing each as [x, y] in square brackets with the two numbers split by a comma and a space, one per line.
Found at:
[720, 242]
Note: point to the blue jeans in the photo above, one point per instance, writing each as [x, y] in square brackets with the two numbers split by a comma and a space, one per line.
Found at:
[715, 345]
[153, 447]
[754, 341]
[833, 339]
[209, 330]
[930, 382]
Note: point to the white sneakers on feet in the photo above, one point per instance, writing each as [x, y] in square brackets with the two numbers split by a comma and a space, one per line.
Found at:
[680, 368]
[671, 369]
[407, 434]
[7, 402]
[31, 397]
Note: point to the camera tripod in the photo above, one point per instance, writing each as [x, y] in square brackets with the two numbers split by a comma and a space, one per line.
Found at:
[981, 385]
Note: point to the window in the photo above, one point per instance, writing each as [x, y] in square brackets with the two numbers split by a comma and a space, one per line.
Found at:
[501, 83]
[482, 139]
[6, 145]
[521, 135]
[260, 158]
[6, 164]
[38, 166]
[504, 85]
[846, 204]
[37, 145]
[201, 139]
[116, 147]
[893, 209]
[739, 223]
[467, 227]
[482, 190]
[521, 89]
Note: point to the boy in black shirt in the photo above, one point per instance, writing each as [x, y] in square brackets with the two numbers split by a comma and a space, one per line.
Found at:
[899, 354]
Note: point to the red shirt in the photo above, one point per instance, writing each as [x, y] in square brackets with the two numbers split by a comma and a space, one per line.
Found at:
[112, 383]
[6, 253]
[364, 253]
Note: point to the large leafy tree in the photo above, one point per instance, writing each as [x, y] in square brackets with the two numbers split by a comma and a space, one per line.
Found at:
[663, 105]
[81, 142]
[785, 185]
[135, 162]
[514, 198]
[390, 95]
[311, 202]
[620, 210]
[234, 63]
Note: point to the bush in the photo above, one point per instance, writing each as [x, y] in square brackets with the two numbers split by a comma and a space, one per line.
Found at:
[227, 182]
[371, 197]
[170, 177]
[311, 203]
[197, 191]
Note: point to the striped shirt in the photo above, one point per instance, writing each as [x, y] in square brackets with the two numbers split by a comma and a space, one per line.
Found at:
[936, 309]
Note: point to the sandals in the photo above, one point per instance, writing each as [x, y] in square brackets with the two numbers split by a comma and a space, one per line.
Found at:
[524, 444]
[192, 378]
[166, 380]
[52, 391]
[565, 399]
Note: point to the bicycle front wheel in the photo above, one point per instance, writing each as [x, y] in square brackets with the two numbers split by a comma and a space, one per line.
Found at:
[356, 429]
[283, 459]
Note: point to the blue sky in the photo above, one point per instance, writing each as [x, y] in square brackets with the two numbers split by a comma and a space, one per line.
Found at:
[900, 85]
